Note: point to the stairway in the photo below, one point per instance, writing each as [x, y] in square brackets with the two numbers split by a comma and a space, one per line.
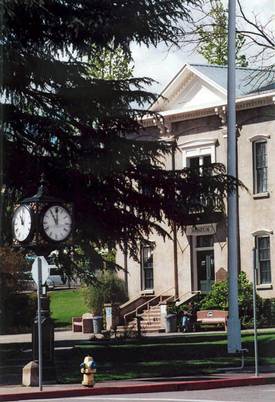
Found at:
[149, 322]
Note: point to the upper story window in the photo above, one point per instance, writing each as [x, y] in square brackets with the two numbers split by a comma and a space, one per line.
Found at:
[260, 166]
[198, 153]
[198, 161]
[264, 263]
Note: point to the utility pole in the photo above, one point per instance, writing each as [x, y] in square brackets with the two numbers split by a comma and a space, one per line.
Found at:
[175, 233]
[234, 327]
[256, 354]
[1, 182]
[1, 148]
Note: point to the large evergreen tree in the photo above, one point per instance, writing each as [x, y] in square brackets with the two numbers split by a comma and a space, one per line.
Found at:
[58, 118]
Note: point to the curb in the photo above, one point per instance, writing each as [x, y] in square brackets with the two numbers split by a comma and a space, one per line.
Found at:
[141, 388]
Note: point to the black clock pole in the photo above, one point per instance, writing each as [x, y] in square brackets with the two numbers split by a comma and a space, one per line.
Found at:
[39, 240]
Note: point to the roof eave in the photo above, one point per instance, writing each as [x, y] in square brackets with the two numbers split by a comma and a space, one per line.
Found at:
[244, 102]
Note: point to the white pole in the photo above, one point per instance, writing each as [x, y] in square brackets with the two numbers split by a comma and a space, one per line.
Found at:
[39, 286]
[234, 328]
[255, 266]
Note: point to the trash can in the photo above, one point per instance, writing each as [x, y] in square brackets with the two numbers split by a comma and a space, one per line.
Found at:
[97, 323]
[171, 323]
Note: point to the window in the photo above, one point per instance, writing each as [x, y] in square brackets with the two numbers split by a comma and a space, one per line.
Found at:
[260, 167]
[204, 241]
[263, 253]
[147, 267]
[198, 153]
[198, 161]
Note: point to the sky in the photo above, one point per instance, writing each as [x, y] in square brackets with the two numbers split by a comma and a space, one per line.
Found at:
[162, 64]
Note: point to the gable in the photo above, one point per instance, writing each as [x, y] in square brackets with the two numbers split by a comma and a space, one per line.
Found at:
[197, 95]
[188, 91]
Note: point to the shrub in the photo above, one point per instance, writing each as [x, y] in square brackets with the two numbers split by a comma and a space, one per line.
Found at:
[218, 299]
[108, 289]
[267, 312]
[18, 312]
[17, 309]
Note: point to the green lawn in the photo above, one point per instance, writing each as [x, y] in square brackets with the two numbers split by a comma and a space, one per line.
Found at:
[148, 357]
[190, 354]
[65, 304]
[177, 356]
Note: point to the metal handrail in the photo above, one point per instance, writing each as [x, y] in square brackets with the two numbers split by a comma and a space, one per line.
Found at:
[128, 302]
[186, 293]
[132, 312]
[159, 296]
[147, 304]
[172, 298]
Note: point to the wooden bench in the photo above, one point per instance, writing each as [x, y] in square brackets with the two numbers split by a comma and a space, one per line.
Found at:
[83, 324]
[210, 317]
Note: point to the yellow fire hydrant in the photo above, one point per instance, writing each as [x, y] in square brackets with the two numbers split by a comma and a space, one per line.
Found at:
[88, 369]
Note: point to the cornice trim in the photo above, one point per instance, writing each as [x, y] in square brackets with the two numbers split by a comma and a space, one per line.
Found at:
[259, 137]
[262, 232]
[241, 104]
[198, 143]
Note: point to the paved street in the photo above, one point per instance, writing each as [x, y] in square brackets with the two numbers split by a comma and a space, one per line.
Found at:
[263, 393]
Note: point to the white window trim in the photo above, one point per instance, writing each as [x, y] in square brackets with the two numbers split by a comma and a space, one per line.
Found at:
[264, 286]
[147, 292]
[264, 233]
[198, 148]
[261, 195]
[254, 140]
[259, 137]
[142, 279]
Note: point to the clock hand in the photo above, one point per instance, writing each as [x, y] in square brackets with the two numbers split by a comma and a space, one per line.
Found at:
[56, 210]
[54, 218]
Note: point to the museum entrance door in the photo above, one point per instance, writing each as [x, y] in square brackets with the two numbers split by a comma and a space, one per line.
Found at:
[205, 262]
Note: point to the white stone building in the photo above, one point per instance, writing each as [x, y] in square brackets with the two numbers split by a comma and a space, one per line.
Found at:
[193, 107]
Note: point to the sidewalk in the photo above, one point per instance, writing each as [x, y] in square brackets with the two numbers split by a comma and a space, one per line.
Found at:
[13, 393]
[64, 335]
[68, 335]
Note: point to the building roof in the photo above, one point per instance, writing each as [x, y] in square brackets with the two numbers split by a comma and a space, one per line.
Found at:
[197, 86]
[248, 80]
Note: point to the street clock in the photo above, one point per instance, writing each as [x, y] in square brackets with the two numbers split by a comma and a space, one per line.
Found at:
[42, 221]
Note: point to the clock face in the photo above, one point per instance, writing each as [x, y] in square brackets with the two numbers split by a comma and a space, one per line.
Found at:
[22, 223]
[57, 223]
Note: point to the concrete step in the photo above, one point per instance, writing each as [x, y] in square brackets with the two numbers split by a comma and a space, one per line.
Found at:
[144, 323]
[151, 315]
[150, 322]
[153, 312]
[150, 327]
